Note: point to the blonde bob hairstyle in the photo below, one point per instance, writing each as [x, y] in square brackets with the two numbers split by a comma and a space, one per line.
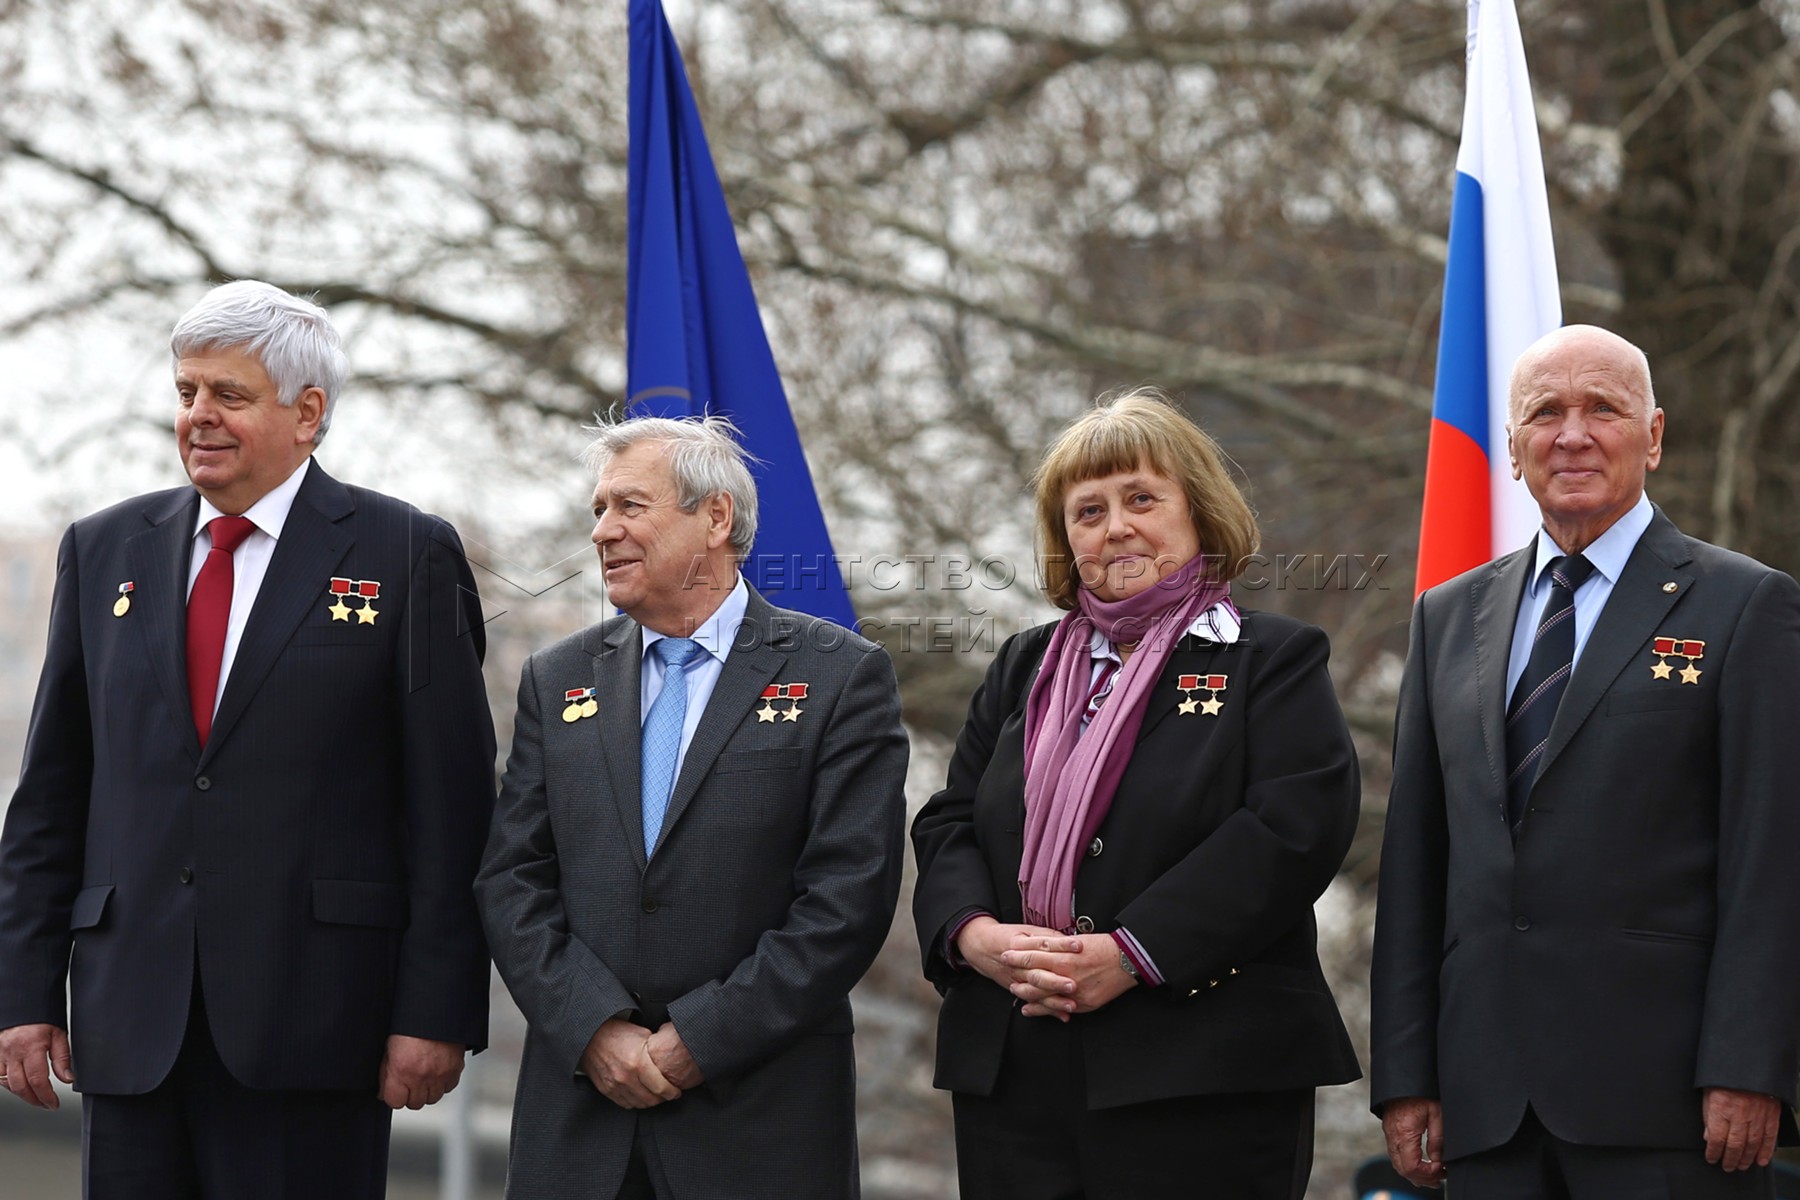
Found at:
[1121, 432]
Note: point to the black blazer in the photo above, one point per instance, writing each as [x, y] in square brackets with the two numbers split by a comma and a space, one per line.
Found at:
[1642, 941]
[316, 858]
[1224, 831]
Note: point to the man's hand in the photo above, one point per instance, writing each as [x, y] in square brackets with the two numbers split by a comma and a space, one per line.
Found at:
[618, 1063]
[1415, 1137]
[1060, 976]
[416, 1071]
[1740, 1127]
[28, 1053]
[670, 1054]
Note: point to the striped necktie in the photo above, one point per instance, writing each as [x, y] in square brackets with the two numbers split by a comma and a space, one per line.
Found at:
[1540, 689]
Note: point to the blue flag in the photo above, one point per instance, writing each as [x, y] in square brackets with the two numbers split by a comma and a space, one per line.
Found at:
[694, 341]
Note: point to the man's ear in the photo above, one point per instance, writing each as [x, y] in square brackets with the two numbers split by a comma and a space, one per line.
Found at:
[309, 410]
[719, 512]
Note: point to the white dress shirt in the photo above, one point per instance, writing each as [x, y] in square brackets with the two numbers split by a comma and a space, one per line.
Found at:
[249, 562]
[716, 635]
[1608, 554]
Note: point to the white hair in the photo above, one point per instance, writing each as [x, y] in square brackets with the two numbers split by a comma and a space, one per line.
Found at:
[291, 336]
[704, 459]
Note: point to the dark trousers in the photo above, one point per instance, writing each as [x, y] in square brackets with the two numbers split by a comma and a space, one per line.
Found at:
[202, 1135]
[642, 1171]
[1537, 1165]
[1035, 1136]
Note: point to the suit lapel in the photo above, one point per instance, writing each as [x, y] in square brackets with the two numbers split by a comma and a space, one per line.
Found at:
[1638, 604]
[1498, 592]
[310, 546]
[747, 670]
[158, 560]
[618, 671]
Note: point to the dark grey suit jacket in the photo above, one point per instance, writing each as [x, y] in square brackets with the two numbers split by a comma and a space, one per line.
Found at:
[772, 888]
[1640, 941]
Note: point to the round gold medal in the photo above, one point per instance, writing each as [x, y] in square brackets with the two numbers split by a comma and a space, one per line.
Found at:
[572, 713]
[121, 606]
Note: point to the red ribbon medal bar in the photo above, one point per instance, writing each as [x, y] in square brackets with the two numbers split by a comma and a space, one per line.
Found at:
[365, 590]
[793, 693]
[581, 703]
[1189, 684]
[1666, 647]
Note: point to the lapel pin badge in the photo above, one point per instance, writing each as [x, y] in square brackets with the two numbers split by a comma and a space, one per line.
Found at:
[122, 605]
[793, 693]
[1211, 684]
[1670, 587]
[1666, 648]
[365, 590]
[580, 703]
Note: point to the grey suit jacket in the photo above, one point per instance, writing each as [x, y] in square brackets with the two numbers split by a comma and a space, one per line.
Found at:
[1642, 939]
[771, 890]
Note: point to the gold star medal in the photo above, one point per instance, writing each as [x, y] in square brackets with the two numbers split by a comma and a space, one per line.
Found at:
[122, 605]
[337, 591]
[1693, 651]
[369, 590]
[768, 710]
[1186, 685]
[1214, 684]
[1662, 647]
[795, 692]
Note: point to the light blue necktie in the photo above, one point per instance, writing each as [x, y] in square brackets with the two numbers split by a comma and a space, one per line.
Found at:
[662, 733]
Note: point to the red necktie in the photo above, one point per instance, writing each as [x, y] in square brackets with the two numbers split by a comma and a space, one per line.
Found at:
[209, 611]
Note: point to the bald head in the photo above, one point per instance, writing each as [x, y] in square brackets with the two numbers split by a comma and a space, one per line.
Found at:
[1600, 349]
[1583, 430]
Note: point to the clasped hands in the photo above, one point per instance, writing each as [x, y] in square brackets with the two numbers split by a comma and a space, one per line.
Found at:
[635, 1068]
[1055, 974]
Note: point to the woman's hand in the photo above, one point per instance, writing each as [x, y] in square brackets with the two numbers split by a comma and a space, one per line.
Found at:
[983, 941]
[1061, 976]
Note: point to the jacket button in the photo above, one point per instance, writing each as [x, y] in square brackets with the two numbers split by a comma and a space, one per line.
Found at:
[1095, 847]
[649, 906]
[1521, 923]
[187, 875]
[203, 783]
[1084, 924]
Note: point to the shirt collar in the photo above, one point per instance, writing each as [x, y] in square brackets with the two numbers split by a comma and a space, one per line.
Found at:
[1221, 623]
[268, 514]
[1609, 551]
[718, 632]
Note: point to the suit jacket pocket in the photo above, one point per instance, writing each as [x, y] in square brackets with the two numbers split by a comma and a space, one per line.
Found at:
[90, 906]
[1656, 698]
[1659, 935]
[359, 902]
[778, 758]
[336, 634]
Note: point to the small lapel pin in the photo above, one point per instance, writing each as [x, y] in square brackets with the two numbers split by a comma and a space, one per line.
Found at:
[122, 605]
[1670, 587]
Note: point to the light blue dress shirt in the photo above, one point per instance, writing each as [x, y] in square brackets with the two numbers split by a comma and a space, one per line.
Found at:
[1608, 554]
[716, 635]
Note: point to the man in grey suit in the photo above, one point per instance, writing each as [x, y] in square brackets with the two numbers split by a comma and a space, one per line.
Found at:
[695, 856]
[1585, 980]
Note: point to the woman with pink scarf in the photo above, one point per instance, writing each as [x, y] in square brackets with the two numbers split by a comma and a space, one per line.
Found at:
[1116, 884]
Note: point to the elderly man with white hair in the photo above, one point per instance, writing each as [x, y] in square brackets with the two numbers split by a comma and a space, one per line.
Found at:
[695, 856]
[1585, 983]
[257, 779]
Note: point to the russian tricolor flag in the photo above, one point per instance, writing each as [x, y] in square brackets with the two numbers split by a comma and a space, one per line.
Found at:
[1500, 295]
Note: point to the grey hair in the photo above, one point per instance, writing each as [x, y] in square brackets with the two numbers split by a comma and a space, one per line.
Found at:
[705, 459]
[292, 337]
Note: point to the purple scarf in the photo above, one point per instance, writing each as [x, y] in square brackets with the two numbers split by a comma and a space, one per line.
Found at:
[1070, 778]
